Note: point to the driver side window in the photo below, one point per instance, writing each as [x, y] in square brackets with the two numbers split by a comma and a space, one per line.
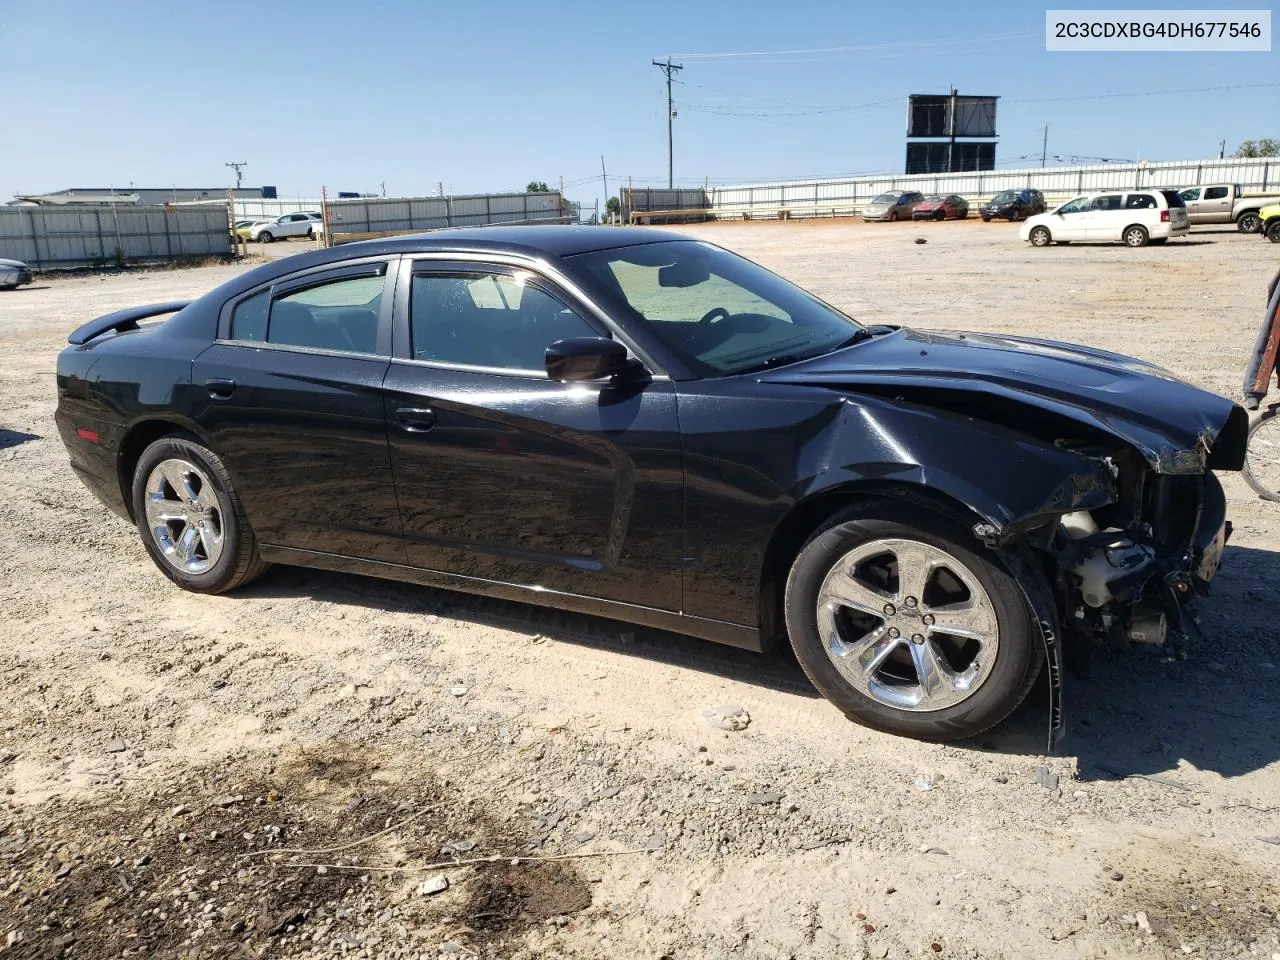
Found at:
[1079, 205]
[488, 320]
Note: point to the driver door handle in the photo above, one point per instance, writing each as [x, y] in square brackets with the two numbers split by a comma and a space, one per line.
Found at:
[415, 419]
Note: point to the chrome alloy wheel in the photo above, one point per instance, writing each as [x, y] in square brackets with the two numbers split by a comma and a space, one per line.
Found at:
[184, 516]
[908, 625]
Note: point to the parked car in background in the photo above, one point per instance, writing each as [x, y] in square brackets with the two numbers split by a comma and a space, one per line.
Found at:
[1012, 205]
[892, 206]
[1270, 217]
[1133, 217]
[13, 274]
[308, 225]
[1225, 203]
[647, 427]
[938, 207]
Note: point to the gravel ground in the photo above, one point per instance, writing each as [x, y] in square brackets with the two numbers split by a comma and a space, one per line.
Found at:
[305, 768]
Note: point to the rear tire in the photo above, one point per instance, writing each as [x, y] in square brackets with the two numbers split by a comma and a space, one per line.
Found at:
[1249, 223]
[1040, 237]
[190, 517]
[858, 611]
[1273, 230]
[1260, 456]
[1135, 235]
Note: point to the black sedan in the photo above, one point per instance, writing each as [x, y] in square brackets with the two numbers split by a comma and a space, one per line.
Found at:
[629, 423]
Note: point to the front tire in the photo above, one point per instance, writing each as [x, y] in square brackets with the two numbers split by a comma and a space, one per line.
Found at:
[190, 517]
[1136, 236]
[1249, 223]
[1273, 230]
[1040, 237]
[893, 216]
[265, 237]
[908, 626]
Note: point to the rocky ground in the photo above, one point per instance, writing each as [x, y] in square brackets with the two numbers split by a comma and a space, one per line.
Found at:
[322, 765]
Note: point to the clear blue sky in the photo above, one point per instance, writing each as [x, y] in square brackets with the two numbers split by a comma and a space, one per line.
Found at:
[485, 96]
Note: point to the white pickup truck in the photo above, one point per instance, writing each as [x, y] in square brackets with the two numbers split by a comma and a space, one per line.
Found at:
[1225, 203]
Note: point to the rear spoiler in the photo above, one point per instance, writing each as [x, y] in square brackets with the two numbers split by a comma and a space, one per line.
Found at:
[123, 320]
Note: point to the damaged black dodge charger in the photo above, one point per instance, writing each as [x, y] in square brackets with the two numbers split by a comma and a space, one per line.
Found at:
[650, 428]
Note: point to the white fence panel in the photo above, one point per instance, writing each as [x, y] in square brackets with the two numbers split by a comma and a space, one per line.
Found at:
[96, 235]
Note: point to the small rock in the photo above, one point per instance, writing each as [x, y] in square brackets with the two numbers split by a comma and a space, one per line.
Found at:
[656, 841]
[1046, 778]
[1117, 875]
[936, 850]
[287, 918]
[64, 870]
[763, 799]
[13, 937]
[450, 948]
[347, 692]
[921, 784]
[115, 746]
[582, 836]
[179, 810]
[458, 691]
[610, 792]
[437, 884]
[890, 889]
[921, 240]
[273, 796]
[1144, 925]
[228, 800]
[457, 846]
[727, 717]
[935, 947]
[219, 683]
[868, 928]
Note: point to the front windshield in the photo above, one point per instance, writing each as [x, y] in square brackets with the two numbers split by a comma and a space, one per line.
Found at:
[1007, 196]
[886, 198]
[934, 198]
[720, 313]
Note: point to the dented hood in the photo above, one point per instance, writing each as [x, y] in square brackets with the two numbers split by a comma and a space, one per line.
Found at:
[1171, 423]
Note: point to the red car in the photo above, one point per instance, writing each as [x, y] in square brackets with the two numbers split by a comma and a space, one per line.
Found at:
[936, 207]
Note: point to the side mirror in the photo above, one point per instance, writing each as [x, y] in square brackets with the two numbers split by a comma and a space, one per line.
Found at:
[586, 358]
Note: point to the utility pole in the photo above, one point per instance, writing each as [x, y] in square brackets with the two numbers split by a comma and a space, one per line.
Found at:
[236, 167]
[383, 184]
[1044, 150]
[668, 68]
[1222, 149]
[604, 175]
[951, 150]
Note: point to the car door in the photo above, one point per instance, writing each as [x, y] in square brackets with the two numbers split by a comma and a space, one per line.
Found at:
[1106, 218]
[1070, 221]
[290, 396]
[1192, 198]
[1215, 205]
[506, 475]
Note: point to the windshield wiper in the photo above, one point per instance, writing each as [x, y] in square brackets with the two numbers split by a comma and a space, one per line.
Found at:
[779, 361]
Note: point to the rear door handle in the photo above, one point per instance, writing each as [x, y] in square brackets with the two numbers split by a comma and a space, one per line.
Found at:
[415, 419]
[220, 389]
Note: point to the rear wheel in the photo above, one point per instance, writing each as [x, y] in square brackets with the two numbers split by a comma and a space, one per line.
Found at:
[1040, 237]
[191, 519]
[1273, 230]
[1249, 223]
[1135, 236]
[906, 629]
[1262, 457]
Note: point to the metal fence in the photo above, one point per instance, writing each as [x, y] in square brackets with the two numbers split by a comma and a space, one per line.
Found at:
[95, 235]
[378, 215]
[846, 195]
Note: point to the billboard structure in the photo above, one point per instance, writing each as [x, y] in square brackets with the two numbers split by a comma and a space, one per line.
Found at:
[936, 126]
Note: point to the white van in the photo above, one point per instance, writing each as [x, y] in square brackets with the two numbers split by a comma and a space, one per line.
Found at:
[1132, 217]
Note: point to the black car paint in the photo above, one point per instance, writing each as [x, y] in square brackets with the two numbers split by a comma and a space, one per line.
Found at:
[1025, 204]
[661, 498]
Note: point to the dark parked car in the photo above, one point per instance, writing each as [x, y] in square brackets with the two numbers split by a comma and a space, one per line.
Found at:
[647, 427]
[937, 207]
[13, 274]
[1013, 205]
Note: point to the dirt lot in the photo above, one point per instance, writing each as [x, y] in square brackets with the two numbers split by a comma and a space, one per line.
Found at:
[273, 773]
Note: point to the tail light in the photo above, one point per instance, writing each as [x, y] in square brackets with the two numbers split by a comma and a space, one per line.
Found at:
[1164, 216]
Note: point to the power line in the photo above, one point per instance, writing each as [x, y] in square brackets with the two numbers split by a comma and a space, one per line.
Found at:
[857, 48]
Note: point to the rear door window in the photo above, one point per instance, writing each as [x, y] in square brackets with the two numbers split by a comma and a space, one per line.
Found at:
[340, 315]
[1108, 201]
[1215, 193]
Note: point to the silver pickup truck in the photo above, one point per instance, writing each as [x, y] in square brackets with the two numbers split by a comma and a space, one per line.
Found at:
[1225, 203]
